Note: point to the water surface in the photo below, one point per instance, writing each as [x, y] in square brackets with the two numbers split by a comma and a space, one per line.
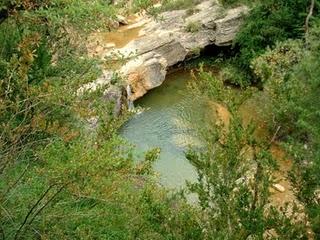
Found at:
[165, 123]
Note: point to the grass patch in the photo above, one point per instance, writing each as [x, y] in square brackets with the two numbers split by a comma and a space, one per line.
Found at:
[193, 27]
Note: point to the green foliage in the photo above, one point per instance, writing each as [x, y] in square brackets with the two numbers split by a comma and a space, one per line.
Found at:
[60, 177]
[291, 74]
[166, 5]
[235, 173]
[145, 167]
[81, 15]
[275, 64]
[142, 4]
[214, 87]
[178, 4]
[231, 74]
[91, 188]
[196, 51]
[233, 207]
[193, 27]
[35, 100]
[11, 5]
[40, 66]
[10, 36]
[268, 22]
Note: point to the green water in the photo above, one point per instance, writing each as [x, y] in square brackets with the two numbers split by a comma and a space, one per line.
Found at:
[170, 120]
[167, 122]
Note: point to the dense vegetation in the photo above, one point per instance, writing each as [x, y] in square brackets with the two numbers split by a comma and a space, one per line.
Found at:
[281, 54]
[60, 178]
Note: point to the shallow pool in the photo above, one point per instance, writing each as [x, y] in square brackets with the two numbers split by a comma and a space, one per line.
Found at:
[167, 122]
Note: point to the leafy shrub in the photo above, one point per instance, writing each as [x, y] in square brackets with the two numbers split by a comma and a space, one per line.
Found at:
[269, 22]
[231, 74]
[60, 178]
[291, 75]
[234, 175]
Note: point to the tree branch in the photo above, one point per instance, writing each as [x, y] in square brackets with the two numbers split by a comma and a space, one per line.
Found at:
[31, 210]
[17, 181]
[312, 4]
[47, 203]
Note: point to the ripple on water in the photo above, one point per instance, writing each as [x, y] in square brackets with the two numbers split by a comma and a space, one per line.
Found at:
[166, 124]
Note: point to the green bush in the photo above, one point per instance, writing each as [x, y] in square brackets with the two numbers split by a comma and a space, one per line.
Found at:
[291, 75]
[60, 178]
[269, 22]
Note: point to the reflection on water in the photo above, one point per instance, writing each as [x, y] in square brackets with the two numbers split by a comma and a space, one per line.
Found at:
[166, 124]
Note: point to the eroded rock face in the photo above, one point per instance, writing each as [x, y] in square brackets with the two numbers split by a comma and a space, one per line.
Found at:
[170, 40]
[149, 75]
[227, 28]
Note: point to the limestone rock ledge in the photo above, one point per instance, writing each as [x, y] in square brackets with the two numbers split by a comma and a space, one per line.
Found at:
[169, 39]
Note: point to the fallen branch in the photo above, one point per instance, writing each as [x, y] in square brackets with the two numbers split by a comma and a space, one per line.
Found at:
[40, 209]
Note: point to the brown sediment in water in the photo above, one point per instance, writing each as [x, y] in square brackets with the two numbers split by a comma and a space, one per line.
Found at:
[222, 118]
[100, 42]
[121, 37]
[220, 113]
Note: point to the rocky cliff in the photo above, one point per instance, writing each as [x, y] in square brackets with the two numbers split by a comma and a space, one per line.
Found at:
[171, 38]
